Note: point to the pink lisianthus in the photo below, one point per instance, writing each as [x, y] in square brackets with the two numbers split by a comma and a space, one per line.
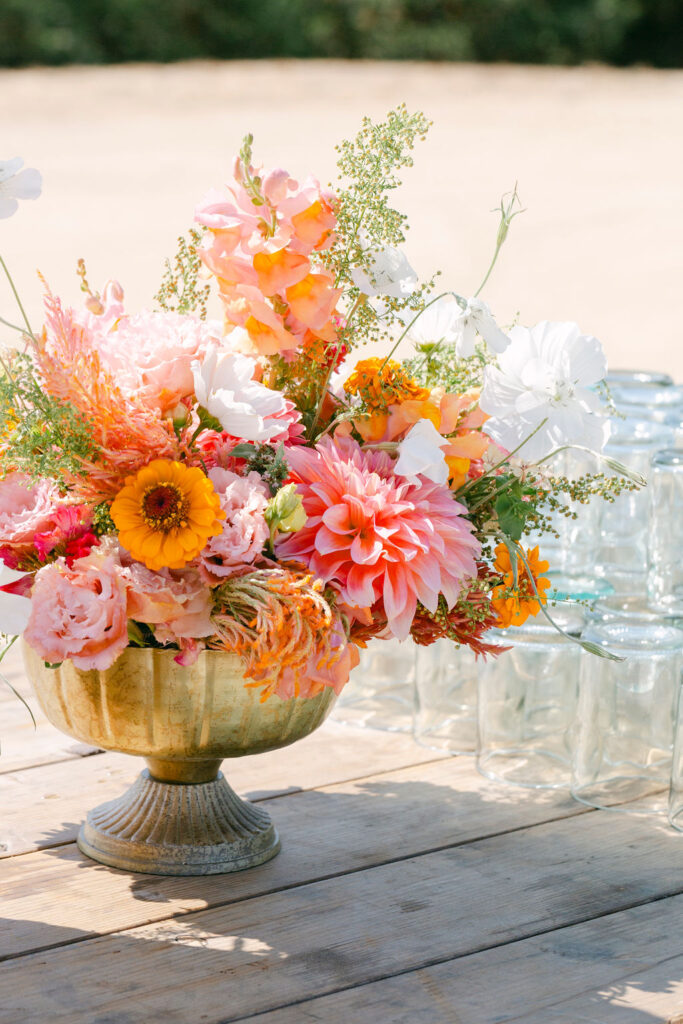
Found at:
[176, 603]
[328, 666]
[79, 612]
[379, 537]
[26, 509]
[245, 531]
[151, 354]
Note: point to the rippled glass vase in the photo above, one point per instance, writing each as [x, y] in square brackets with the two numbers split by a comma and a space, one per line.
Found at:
[381, 691]
[446, 692]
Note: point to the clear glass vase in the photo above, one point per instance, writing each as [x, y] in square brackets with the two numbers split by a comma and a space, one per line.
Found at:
[623, 739]
[665, 567]
[446, 697]
[527, 703]
[675, 809]
[622, 555]
[575, 548]
[381, 691]
[638, 378]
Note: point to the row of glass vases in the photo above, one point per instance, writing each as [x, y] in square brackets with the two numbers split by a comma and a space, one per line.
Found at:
[545, 713]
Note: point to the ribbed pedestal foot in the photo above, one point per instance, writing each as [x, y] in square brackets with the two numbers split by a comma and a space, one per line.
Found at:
[164, 828]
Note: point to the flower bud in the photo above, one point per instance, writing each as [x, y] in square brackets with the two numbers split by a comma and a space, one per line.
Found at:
[285, 511]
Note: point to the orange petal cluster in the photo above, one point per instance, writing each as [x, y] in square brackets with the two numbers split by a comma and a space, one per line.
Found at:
[514, 604]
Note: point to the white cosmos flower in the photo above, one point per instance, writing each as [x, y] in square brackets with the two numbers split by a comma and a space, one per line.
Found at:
[545, 374]
[475, 318]
[439, 322]
[14, 609]
[16, 184]
[420, 454]
[224, 385]
[389, 274]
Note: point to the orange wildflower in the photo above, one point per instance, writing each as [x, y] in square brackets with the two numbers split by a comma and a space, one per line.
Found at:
[381, 384]
[513, 604]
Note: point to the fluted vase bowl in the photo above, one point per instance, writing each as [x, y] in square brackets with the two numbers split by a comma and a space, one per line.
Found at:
[180, 817]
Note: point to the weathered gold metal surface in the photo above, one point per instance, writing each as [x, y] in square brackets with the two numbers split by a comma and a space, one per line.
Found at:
[148, 705]
[180, 817]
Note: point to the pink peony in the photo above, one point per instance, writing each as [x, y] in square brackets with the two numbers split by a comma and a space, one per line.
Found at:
[26, 508]
[150, 355]
[79, 612]
[245, 531]
[378, 536]
[176, 603]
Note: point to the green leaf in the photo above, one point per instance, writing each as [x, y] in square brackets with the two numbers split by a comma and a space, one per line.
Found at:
[512, 510]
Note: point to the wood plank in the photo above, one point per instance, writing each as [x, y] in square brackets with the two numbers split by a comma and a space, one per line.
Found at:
[624, 965]
[223, 964]
[326, 832]
[44, 807]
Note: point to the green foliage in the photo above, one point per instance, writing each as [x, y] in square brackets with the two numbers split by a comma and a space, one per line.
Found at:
[42, 436]
[530, 31]
[269, 462]
[180, 291]
[437, 365]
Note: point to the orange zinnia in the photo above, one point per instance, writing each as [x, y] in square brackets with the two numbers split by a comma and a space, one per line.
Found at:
[166, 513]
[513, 604]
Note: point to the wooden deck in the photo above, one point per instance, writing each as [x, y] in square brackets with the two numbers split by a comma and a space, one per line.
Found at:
[409, 890]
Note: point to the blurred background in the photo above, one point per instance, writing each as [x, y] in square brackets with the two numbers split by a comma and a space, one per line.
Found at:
[131, 109]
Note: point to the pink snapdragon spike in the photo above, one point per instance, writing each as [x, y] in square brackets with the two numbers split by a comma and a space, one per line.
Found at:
[245, 531]
[262, 234]
[377, 536]
[79, 612]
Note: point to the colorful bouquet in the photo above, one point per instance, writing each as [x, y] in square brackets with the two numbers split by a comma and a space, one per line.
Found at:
[176, 482]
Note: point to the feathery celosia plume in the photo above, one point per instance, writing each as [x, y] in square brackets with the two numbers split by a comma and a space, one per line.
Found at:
[124, 430]
[377, 536]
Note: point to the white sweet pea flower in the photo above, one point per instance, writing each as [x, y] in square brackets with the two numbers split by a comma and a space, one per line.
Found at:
[439, 322]
[477, 317]
[14, 609]
[225, 387]
[16, 184]
[389, 274]
[545, 374]
[420, 454]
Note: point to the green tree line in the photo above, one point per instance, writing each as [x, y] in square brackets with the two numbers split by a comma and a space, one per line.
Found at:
[620, 32]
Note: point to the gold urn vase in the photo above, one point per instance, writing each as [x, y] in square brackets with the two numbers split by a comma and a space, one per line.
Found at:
[180, 817]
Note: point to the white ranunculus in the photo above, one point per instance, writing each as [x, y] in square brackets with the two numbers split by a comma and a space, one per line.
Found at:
[475, 318]
[420, 454]
[225, 387]
[14, 609]
[545, 374]
[16, 184]
[389, 274]
[439, 322]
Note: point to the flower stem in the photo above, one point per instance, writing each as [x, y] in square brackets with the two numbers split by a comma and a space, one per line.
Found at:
[466, 487]
[458, 298]
[16, 296]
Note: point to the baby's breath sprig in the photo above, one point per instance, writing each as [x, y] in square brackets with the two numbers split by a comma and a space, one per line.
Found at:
[180, 290]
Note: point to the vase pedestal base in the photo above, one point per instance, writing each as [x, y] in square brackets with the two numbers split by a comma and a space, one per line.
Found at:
[173, 828]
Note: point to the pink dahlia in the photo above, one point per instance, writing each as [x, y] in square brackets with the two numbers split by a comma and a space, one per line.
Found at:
[245, 531]
[379, 537]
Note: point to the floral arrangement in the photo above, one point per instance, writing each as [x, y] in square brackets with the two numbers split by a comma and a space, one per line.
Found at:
[179, 482]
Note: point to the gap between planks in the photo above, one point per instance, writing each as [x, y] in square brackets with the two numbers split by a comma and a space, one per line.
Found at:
[269, 951]
[439, 806]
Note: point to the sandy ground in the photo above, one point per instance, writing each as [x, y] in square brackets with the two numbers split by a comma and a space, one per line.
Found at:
[126, 151]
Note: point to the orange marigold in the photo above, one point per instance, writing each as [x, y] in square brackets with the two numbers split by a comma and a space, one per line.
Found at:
[514, 604]
[380, 384]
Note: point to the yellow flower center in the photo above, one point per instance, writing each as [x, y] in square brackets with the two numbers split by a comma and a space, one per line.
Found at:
[164, 507]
